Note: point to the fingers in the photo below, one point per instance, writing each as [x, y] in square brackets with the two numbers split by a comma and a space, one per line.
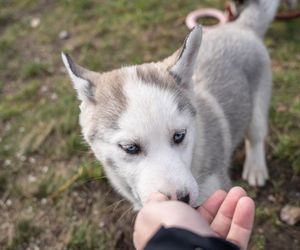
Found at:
[222, 221]
[210, 207]
[136, 240]
[146, 222]
[242, 223]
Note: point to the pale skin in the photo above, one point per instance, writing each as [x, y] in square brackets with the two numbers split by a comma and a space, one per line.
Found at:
[226, 215]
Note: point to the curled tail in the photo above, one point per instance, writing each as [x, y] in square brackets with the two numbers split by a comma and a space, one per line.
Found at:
[257, 15]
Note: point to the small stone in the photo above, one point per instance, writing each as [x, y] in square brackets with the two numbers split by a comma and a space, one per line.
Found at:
[8, 203]
[35, 22]
[29, 210]
[290, 214]
[21, 157]
[260, 230]
[53, 96]
[32, 178]
[75, 194]
[101, 224]
[281, 108]
[7, 162]
[45, 169]
[271, 198]
[63, 35]
[21, 129]
[32, 160]
[44, 201]
[44, 89]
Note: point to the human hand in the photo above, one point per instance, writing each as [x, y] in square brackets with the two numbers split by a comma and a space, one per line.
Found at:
[229, 216]
[161, 212]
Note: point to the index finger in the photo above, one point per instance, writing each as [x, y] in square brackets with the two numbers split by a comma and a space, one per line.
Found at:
[242, 223]
[223, 219]
[154, 197]
[210, 207]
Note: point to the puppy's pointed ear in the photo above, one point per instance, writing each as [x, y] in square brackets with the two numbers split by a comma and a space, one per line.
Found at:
[183, 68]
[81, 79]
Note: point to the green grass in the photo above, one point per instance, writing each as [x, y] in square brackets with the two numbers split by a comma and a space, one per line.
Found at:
[91, 171]
[259, 242]
[46, 186]
[87, 237]
[33, 69]
[25, 231]
[81, 239]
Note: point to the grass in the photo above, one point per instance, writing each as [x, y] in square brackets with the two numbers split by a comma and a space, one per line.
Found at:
[81, 238]
[87, 237]
[25, 231]
[260, 242]
[33, 69]
[41, 147]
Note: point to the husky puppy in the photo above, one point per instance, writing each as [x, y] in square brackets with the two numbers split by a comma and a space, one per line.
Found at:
[172, 126]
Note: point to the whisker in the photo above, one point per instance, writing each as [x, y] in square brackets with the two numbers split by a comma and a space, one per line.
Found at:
[124, 214]
[114, 205]
[133, 219]
[117, 204]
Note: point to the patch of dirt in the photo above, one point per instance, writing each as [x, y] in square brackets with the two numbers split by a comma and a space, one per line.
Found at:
[282, 188]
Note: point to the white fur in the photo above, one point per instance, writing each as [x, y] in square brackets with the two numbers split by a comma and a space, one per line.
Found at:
[210, 185]
[184, 67]
[165, 167]
[255, 167]
[79, 83]
[218, 111]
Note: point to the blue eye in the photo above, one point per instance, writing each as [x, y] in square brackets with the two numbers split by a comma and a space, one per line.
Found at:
[132, 149]
[179, 136]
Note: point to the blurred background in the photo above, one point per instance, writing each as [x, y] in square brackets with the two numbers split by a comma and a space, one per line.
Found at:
[53, 193]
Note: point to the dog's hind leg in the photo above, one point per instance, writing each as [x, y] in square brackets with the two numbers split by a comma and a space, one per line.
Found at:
[255, 169]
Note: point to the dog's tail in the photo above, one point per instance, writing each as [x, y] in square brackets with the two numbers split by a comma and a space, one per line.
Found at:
[257, 15]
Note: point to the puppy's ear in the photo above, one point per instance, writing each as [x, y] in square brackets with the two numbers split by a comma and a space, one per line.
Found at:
[183, 68]
[81, 79]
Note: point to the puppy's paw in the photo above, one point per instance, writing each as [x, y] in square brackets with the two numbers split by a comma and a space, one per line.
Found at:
[256, 174]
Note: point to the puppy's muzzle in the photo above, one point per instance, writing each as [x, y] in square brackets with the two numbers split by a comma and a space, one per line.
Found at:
[185, 199]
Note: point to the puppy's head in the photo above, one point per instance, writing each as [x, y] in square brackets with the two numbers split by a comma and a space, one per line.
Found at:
[140, 123]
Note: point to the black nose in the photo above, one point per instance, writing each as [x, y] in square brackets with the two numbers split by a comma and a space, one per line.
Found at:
[185, 199]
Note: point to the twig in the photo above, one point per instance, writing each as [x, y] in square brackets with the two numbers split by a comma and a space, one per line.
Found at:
[67, 184]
